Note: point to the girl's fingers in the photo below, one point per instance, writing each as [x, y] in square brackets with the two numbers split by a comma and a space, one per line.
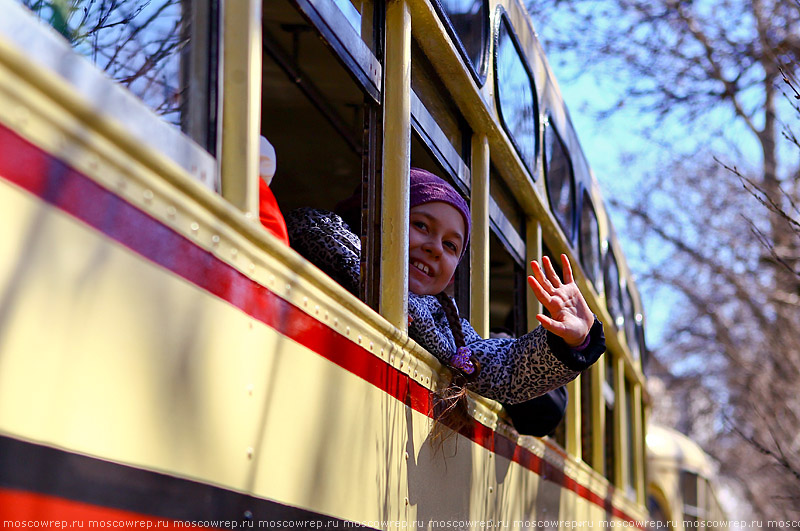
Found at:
[550, 272]
[539, 291]
[540, 278]
[550, 324]
[568, 279]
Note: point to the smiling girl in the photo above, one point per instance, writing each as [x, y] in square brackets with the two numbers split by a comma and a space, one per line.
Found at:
[511, 370]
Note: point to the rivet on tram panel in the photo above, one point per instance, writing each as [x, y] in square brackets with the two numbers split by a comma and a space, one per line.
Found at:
[234, 252]
[371, 346]
[170, 209]
[250, 452]
[391, 358]
[271, 280]
[194, 226]
[491, 490]
[347, 331]
[252, 267]
[288, 288]
[316, 309]
[359, 340]
[148, 196]
[305, 301]
[416, 374]
[250, 389]
[335, 322]
[215, 240]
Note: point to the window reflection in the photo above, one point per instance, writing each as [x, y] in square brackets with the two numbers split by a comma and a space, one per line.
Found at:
[560, 189]
[590, 242]
[516, 97]
[613, 292]
[145, 45]
[469, 21]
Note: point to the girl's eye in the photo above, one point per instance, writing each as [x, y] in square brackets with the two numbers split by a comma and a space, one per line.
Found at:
[452, 246]
[419, 225]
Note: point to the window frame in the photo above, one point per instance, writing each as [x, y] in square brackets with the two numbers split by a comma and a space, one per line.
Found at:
[49, 50]
[570, 231]
[597, 267]
[478, 72]
[346, 43]
[503, 18]
[618, 315]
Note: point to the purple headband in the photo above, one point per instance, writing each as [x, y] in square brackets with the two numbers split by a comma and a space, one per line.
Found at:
[427, 188]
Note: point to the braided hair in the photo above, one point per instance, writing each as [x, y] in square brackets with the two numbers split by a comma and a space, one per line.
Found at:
[450, 404]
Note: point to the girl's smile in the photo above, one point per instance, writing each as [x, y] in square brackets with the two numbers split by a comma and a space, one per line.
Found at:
[435, 242]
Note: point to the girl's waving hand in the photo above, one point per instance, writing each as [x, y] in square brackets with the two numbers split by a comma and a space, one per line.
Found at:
[570, 316]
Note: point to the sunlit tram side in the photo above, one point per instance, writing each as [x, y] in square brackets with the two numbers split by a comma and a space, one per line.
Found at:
[682, 483]
[163, 357]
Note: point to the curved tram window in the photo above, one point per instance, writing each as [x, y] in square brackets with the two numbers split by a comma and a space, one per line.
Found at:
[516, 96]
[613, 293]
[590, 243]
[469, 21]
[560, 182]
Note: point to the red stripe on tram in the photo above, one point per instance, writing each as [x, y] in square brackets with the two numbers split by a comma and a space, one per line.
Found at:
[20, 509]
[43, 175]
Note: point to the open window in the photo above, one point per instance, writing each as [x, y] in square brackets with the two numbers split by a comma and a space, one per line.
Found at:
[610, 434]
[320, 114]
[507, 272]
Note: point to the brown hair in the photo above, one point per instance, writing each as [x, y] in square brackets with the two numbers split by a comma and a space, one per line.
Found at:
[450, 404]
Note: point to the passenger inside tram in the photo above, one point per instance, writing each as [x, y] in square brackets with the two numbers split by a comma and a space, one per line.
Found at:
[511, 370]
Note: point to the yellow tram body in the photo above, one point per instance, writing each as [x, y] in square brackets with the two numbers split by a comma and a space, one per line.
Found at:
[164, 360]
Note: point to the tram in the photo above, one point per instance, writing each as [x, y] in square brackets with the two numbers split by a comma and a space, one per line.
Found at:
[165, 361]
[682, 483]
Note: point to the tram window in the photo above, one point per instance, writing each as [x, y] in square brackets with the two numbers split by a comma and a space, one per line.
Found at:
[689, 489]
[423, 157]
[587, 420]
[560, 180]
[630, 481]
[468, 24]
[630, 323]
[506, 217]
[160, 50]
[507, 281]
[447, 132]
[516, 95]
[611, 426]
[311, 111]
[640, 340]
[613, 293]
[590, 243]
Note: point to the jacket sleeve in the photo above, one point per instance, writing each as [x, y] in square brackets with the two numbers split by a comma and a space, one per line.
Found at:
[518, 370]
[512, 370]
[325, 240]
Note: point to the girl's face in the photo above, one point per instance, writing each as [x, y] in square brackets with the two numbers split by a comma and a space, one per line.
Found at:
[435, 240]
